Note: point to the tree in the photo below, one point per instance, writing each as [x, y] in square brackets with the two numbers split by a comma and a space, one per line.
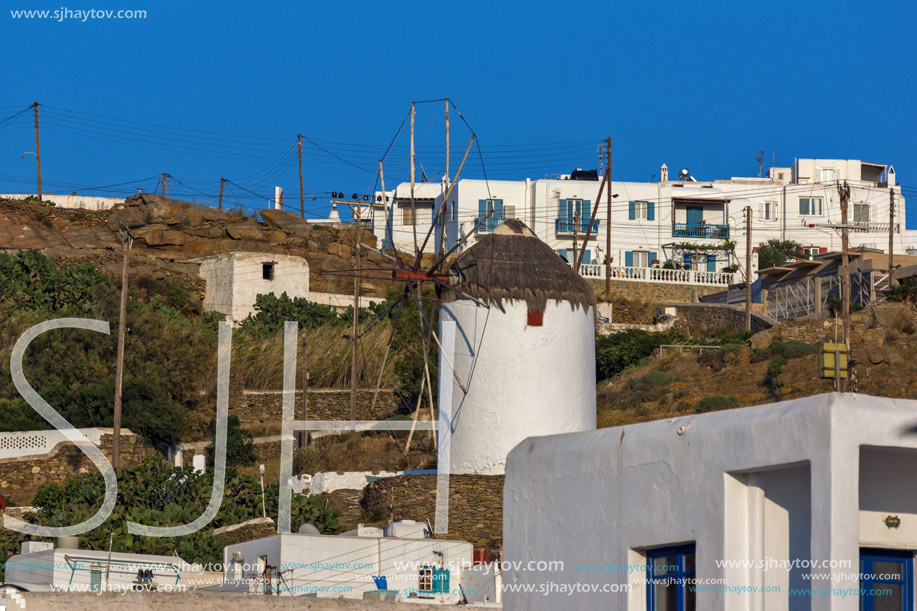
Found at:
[775, 253]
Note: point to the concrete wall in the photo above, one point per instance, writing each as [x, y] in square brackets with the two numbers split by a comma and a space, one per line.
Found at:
[653, 291]
[527, 380]
[789, 481]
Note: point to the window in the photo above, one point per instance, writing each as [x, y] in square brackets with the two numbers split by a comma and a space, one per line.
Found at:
[407, 216]
[827, 175]
[810, 206]
[641, 211]
[886, 580]
[641, 258]
[861, 214]
[267, 271]
[769, 211]
[487, 206]
[509, 212]
[670, 574]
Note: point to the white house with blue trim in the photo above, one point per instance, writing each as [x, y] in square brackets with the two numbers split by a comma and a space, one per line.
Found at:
[666, 231]
[809, 504]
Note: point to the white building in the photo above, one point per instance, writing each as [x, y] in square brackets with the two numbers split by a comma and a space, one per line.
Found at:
[349, 565]
[741, 502]
[653, 221]
[42, 568]
[85, 202]
[527, 363]
[234, 280]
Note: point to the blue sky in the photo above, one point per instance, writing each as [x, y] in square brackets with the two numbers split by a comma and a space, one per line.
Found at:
[704, 85]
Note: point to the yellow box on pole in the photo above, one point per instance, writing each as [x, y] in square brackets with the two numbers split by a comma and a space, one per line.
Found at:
[832, 357]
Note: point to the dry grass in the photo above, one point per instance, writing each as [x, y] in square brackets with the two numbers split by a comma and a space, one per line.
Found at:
[257, 364]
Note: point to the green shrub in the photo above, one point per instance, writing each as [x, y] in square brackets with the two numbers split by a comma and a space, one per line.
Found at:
[154, 493]
[657, 378]
[307, 460]
[240, 445]
[796, 348]
[715, 403]
[17, 415]
[775, 367]
[146, 409]
[614, 353]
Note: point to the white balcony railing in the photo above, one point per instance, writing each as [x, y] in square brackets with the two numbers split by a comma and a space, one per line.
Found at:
[655, 274]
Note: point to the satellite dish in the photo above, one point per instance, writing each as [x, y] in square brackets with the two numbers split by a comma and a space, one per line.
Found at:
[308, 529]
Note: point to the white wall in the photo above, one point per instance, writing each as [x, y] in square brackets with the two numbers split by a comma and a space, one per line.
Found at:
[526, 380]
[234, 281]
[71, 201]
[776, 480]
[341, 566]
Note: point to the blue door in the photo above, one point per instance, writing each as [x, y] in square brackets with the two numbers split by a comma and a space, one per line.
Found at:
[695, 214]
[886, 580]
[711, 263]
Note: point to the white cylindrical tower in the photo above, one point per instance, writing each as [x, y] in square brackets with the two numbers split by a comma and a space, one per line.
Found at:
[527, 362]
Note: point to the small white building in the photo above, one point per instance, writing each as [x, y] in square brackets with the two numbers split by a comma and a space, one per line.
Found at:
[43, 568]
[652, 222]
[349, 565]
[528, 361]
[804, 504]
[234, 280]
[83, 202]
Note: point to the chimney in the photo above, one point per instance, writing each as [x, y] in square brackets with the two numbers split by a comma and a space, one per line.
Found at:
[278, 198]
[664, 173]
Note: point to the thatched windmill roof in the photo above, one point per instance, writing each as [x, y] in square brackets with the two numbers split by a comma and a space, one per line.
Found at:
[511, 263]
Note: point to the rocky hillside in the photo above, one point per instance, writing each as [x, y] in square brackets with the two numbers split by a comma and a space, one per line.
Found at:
[170, 233]
[777, 364]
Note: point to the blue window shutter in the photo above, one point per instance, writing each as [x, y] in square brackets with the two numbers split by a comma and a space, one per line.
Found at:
[651, 211]
[631, 212]
[711, 263]
[629, 258]
[653, 257]
[564, 213]
[587, 257]
[586, 212]
[498, 211]
[482, 208]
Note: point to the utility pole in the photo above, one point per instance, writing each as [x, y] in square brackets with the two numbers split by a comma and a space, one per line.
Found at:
[126, 240]
[305, 382]
[575, 235]
[747, 268]
[302, 200]
[891, 236]
[442, 236]
[356, 313]
[37, 150]
[844, 192]
[163, 178]
[413, 207]
[608, 222]
[222, 180]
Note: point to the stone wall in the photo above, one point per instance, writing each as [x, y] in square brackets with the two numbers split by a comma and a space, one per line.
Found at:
[653, 291]
[475, 504]
[21, 477]
[697, 319]
[265, 407]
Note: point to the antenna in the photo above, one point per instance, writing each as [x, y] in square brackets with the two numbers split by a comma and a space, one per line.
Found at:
[760, 159]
